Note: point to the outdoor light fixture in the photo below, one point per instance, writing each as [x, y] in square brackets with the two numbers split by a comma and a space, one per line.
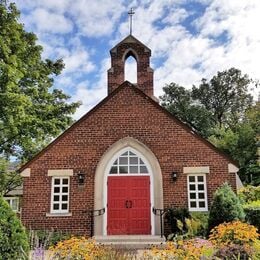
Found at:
[81, 177]
[174, 176]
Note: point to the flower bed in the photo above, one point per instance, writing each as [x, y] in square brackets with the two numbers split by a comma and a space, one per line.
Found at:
[233, 240]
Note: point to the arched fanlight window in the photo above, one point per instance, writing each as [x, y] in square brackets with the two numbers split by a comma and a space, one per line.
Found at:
[128, 163]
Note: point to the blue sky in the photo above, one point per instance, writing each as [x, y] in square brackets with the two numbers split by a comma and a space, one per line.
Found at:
[189, 39]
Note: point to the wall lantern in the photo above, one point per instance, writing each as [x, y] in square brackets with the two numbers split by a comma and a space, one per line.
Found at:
[81, 178]
[174, 176]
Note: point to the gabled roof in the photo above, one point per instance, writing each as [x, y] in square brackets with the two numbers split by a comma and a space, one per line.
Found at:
[130, 39]
[140, 92]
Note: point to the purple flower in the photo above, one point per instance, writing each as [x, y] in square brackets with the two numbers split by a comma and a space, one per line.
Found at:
[38, 253]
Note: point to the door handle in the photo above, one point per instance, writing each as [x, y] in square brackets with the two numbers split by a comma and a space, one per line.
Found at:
[126, 204]
[131, 204]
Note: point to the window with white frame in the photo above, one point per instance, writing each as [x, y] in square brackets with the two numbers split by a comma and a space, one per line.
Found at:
[60, 195]
[13, 202]
[197, 192]
[128, 163]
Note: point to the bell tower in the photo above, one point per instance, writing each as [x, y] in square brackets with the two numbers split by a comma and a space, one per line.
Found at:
[130, 46]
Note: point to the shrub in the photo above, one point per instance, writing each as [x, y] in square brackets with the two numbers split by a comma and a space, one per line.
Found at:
[13, 238]
[249, 193]
[202, 219]
[234, 239]
[225, 207]
[176, 219]
[252, 211]
[185, 224]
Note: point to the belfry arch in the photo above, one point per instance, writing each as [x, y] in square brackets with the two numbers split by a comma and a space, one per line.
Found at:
[130, 59]
[102, 170]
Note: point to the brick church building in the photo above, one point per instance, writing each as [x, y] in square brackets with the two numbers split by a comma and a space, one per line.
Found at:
[125, 158]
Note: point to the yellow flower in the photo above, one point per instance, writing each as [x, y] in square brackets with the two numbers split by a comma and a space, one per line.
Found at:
[234, 232]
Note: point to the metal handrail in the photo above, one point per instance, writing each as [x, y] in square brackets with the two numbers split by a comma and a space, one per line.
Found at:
[94, 213]
[160, 212]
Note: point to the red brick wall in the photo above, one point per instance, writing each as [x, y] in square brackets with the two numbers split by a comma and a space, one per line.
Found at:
[126, 113]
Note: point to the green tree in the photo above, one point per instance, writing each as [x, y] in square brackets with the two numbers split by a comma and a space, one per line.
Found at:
[225, 96]
[225, 207]
[241, 143]
[32, 112]
[13, 238]
[252, 170]
[220, 102]
[9, 178]
[178, 101]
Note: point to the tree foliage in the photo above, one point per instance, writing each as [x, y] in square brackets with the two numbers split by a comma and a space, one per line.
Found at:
[223, 111]
[13, 238]
[32, 112]
[9, 178]
[179, 102]
[225, 96]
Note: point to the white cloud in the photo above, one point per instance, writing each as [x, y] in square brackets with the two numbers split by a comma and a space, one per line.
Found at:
[56, 5]
[96, 18]
[238, 20]
[88, 96]
[90, 93]
[78, 62]
[179, 15]
[92, 18]
[48, 21]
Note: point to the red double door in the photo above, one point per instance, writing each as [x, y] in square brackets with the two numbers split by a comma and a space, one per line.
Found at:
[129, 208]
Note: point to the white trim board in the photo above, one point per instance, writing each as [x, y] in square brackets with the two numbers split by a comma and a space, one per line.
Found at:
[200, 169]
[61, 172]
[26, 172]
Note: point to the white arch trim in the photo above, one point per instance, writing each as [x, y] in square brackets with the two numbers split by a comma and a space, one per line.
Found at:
[103, 167]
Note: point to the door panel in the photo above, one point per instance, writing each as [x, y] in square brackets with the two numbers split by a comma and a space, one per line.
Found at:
[129, 209]
[140, 214]
[117, 215]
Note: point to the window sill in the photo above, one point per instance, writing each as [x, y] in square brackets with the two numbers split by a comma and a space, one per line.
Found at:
[198, 210]
[69, 214]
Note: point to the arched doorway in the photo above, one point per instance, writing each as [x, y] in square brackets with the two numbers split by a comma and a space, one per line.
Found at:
[129, 197]
[115, 176]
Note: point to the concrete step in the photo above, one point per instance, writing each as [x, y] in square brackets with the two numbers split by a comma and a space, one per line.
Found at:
[131, 241]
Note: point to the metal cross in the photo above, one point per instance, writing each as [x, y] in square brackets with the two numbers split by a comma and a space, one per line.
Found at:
[131, 13]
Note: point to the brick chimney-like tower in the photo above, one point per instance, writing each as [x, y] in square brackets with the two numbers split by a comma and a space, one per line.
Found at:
[130, 46]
